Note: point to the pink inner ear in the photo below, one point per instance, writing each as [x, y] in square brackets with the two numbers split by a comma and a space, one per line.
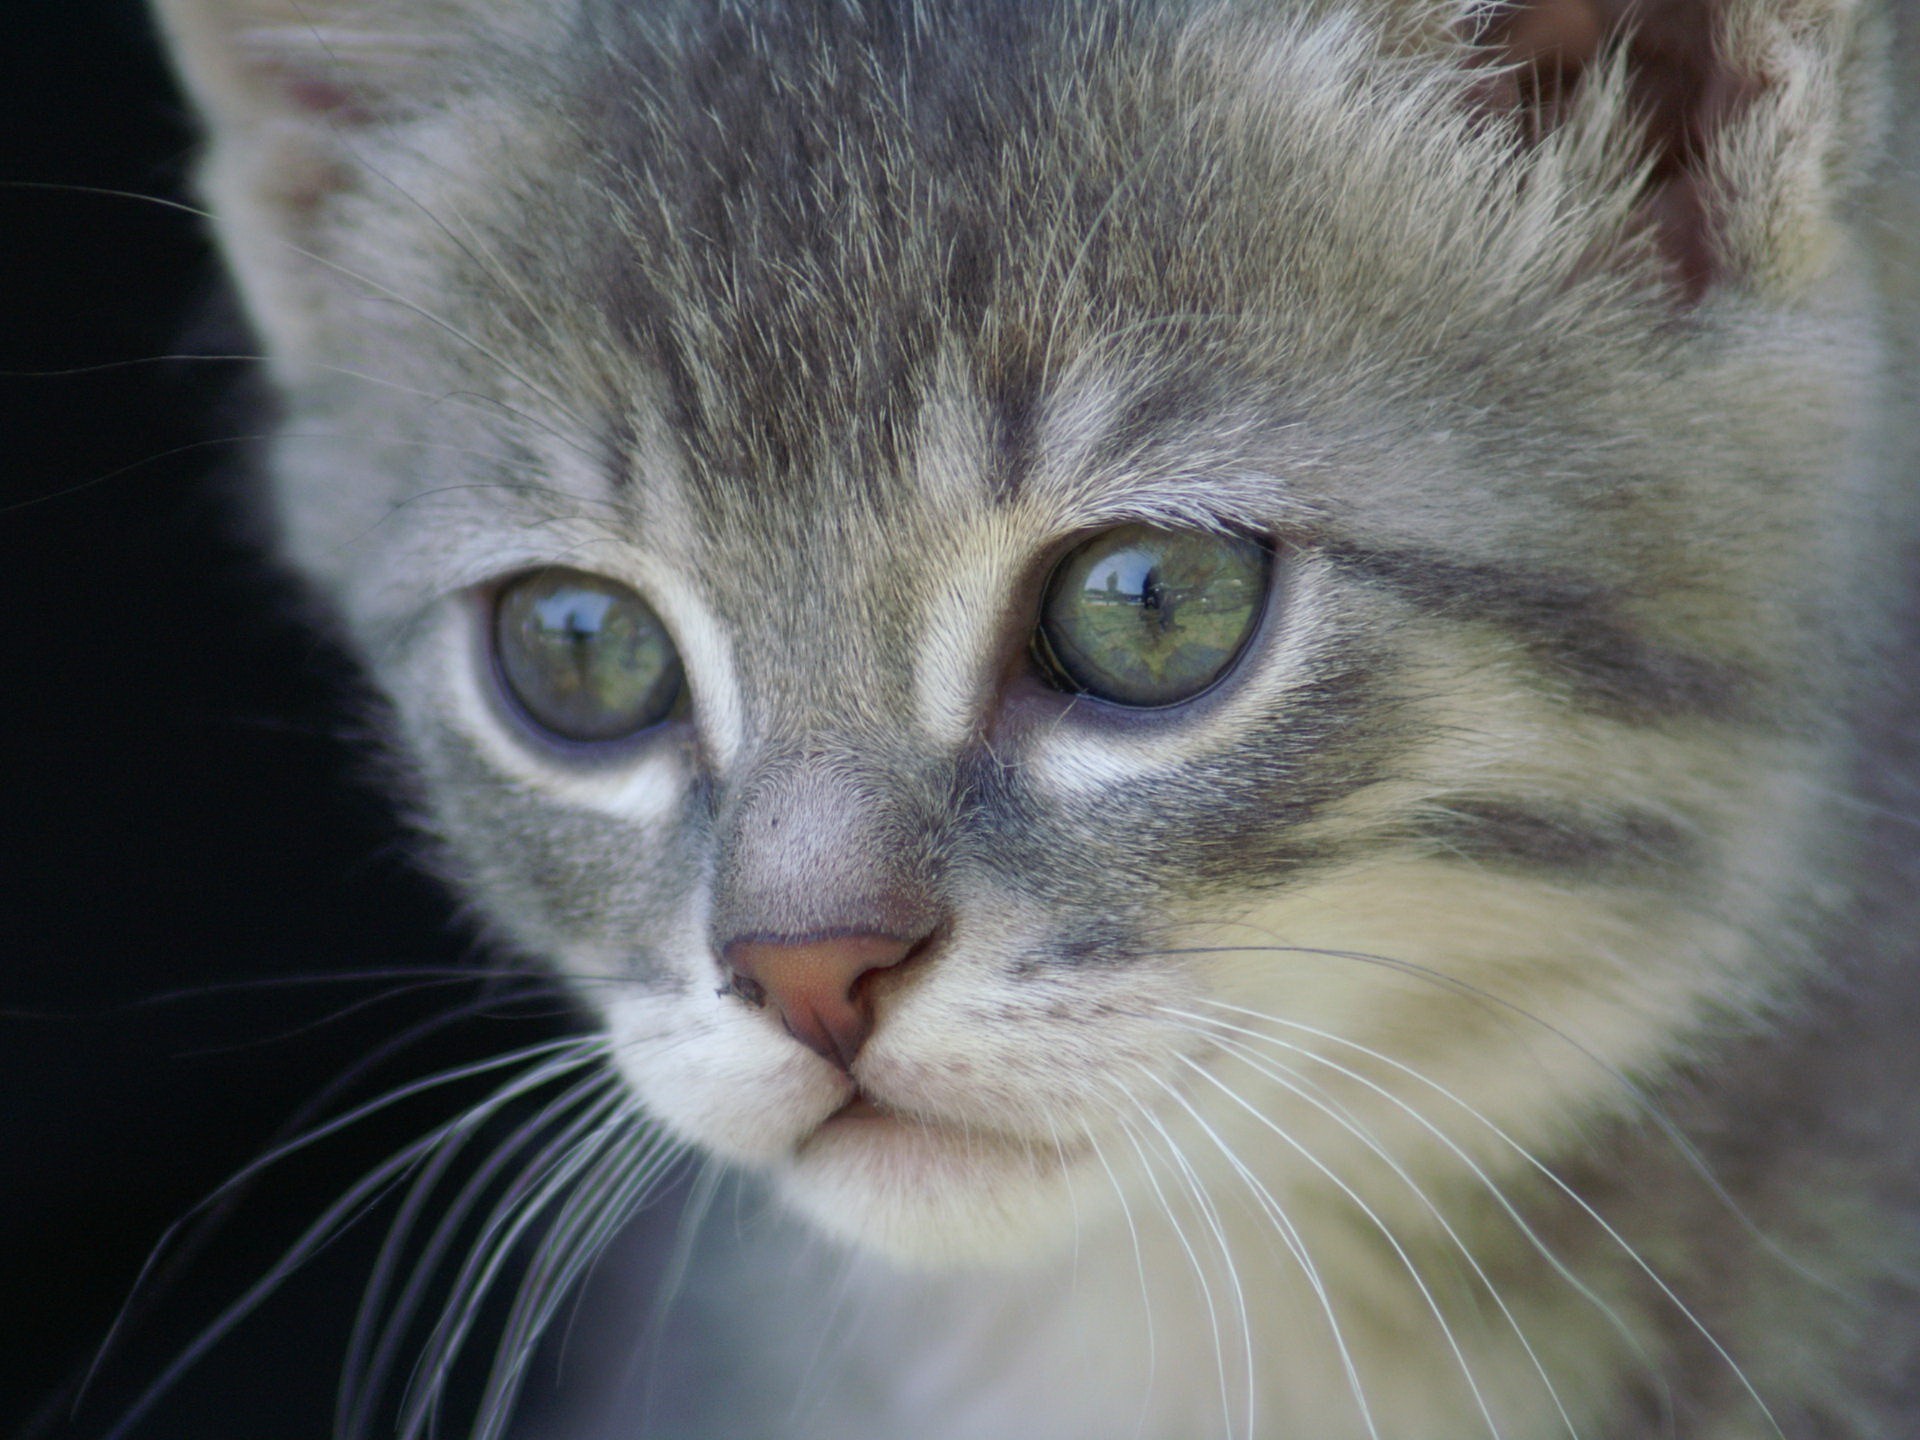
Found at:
[1558, 37]
[304, 89]
[1681, 83]
[319, 95]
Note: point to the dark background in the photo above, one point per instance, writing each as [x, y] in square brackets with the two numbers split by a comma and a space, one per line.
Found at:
[193, 871]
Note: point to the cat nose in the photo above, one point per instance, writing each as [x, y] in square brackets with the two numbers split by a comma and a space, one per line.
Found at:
[816, 985]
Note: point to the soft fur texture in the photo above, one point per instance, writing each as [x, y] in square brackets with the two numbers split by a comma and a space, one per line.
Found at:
[1488, 1012]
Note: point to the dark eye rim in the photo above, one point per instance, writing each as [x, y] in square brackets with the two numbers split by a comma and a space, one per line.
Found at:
[1044, 672]
[611, 753]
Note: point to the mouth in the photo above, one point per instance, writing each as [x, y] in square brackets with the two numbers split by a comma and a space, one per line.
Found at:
[861, 1106]
[863, 1118]
[930, 1190]
[864, 1131]
[862, 1112]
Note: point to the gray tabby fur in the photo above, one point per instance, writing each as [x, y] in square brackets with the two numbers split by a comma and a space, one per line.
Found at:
[1493, 1012]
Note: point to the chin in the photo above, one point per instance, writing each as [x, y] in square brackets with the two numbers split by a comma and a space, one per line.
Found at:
[937, 1196]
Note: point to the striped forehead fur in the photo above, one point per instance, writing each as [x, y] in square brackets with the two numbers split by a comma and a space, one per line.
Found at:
[1030, 219]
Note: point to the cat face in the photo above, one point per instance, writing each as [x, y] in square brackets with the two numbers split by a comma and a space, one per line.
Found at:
[720, 435]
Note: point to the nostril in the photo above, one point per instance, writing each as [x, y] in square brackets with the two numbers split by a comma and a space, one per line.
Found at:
[813, 983]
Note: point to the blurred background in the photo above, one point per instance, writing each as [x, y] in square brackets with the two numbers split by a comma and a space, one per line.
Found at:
[206, 914]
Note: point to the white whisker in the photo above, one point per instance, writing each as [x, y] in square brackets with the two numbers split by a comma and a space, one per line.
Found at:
[1640, 1263]
[1140, 1269]
[1296, 1246]
[371, 1353]
[1341, 1116]
[1210, 1218]
[1289, 1081]
[572, 1054]
[1180, 1235]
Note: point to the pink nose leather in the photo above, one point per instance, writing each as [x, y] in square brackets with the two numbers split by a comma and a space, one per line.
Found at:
[815, 986]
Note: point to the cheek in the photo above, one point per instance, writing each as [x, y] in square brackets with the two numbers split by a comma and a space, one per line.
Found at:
[1396, 1004]
[604, 907]
[598, 870]
[1010, 1033]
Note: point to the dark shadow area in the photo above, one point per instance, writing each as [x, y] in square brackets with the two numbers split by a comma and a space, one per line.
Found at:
[206, 911]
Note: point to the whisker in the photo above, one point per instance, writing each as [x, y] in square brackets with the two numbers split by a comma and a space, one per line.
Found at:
[190, 447]
[1465, 989]
[188, 1237]
[834, 1332]
[1643, 1103]
[371, 286]
[444, 974]
[340, 1215]
[1140, 1269]
[549, 1175]
[1212, 1216]
[109, 367]
[650, 1167]
[1193, 1256]
[647, 1351]
[344, 1012]
[1386, 1232]
[646, 1149]
[468, 399]
[1341, 1116]
[1639, 1262]
[1296, 1246]
[369, 1354]
[596, 1211]
[165, 1245]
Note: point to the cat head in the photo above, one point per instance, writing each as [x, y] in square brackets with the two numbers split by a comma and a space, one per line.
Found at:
[1007, 589]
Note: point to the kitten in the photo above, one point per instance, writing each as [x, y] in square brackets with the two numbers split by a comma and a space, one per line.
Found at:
[1225, 685]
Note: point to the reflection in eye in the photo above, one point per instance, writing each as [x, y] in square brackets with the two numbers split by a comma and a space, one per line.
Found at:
[584, 657]
[1148, 617]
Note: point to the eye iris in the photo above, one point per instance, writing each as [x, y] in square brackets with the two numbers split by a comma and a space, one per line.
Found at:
[1148, 617]
[584, 657]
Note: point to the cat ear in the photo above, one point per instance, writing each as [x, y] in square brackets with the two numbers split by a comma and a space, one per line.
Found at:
[1757, 118]
[314, 65]
[292, 93]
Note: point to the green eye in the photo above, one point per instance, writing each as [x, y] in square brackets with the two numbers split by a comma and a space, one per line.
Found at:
[1148, 617]
[583, 657]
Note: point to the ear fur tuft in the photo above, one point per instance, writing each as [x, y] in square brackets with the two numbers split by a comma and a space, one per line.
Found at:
[1754, 118]
[293, 93]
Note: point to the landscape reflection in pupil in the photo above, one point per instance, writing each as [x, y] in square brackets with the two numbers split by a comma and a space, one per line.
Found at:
[578, 615]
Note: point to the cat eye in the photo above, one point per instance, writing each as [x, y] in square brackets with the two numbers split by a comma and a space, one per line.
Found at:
[582, 657]
[1147, 617]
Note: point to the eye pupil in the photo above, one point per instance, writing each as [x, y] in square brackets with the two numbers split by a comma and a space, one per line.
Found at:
[1147, 617]
[584, 658]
